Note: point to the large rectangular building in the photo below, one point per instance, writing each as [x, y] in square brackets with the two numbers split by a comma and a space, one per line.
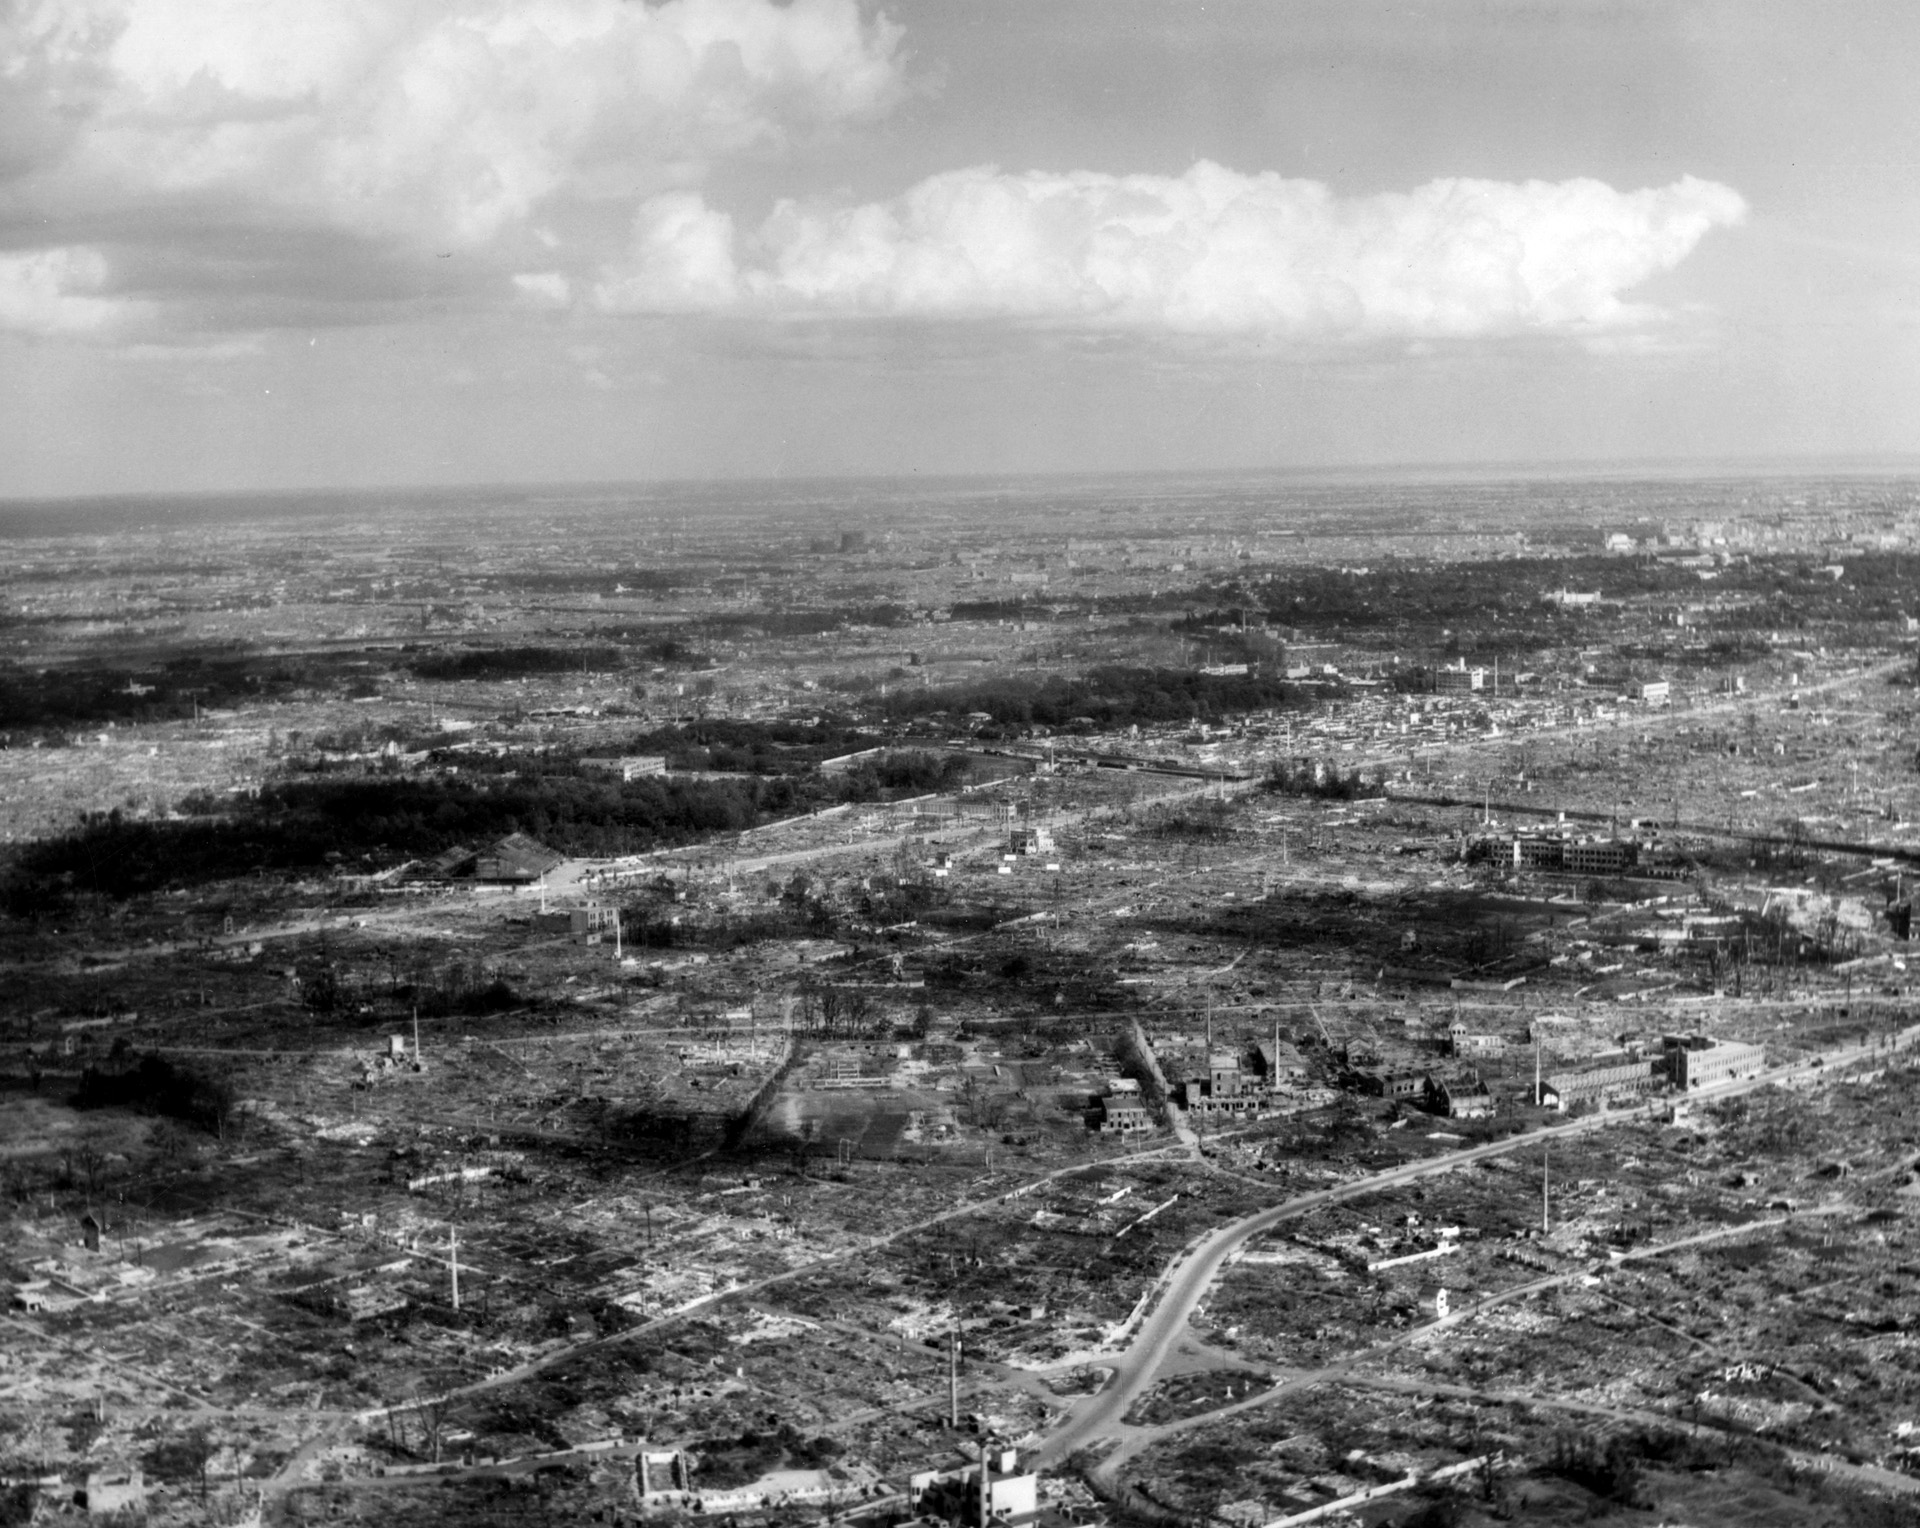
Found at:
[1459, 681]
[1700, 1061]
[635, 766]
[1608, 1081]
[1600, 856]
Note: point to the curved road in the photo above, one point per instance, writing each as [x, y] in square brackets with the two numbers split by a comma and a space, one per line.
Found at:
[1187, 1281]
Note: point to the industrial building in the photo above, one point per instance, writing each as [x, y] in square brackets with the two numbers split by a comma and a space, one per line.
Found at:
[1280, 1063]
[1459, 1098]
[1226, 1089]
[516, 858]
[1608, 1080]
[1012, 1495]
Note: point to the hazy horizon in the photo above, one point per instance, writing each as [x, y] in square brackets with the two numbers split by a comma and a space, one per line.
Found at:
[301, 246]
[1492, 472]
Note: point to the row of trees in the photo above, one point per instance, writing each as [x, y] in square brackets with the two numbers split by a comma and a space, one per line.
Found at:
[160, 1086]
[515, 662]
[1110, 696]
[303, 825]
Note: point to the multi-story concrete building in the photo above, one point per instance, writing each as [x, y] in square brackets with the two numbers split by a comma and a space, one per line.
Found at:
[1599, 856]
[1699, 1061]
[1459, 680]
[1121, 1109]
[1226, 1089]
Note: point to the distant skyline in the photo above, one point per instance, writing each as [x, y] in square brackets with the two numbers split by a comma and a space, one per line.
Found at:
[301, 244]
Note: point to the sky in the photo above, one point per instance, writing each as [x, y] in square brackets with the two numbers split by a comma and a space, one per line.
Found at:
[257, 244]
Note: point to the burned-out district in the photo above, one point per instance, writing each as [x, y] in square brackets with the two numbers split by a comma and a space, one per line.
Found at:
[1232, 1000]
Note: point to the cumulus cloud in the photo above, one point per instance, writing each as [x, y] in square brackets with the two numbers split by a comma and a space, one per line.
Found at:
[1208, 251]
[681, 260]
[56, 291]
[440, 121]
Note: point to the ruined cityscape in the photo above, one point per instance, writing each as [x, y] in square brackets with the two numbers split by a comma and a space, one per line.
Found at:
[1217, 1000]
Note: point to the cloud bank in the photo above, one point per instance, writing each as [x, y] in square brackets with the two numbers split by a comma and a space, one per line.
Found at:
[411, 125]
[246, 163]
[448, 119]
[1212, 250]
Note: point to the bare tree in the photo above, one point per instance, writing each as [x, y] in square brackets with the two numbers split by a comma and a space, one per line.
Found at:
[433, 1424]
[91, 1162]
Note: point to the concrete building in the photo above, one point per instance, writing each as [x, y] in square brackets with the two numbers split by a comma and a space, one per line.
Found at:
[1031, 841]
[1538, 851]
[1226, 1089]
[1459, 679]
[1574, 856]
[1699, 1061]
[577, 922]
[1462, 1041]
[1013, 1495]
[1599, 856]
[1652, 692]
[1121, 1109]
[1606, 1081]
[1280, 1064]
[636, 766]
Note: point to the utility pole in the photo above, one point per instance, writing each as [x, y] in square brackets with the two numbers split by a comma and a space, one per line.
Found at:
[453, 1262]
[1546, 1151]
[416, 1034]
[953, 1377]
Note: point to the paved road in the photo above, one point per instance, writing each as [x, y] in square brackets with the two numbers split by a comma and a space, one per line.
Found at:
[1137, 1437]
[747, 1291]
[1188, 1280]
